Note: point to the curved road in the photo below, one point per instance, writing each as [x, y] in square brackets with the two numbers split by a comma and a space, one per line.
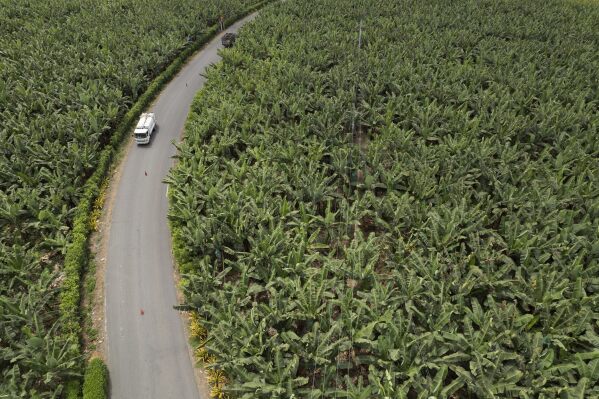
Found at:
[147, 349]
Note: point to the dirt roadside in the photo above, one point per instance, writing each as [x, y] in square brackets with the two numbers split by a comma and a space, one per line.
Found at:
[95, 345]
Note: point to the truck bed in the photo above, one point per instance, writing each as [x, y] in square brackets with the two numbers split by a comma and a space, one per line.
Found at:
[228, 39]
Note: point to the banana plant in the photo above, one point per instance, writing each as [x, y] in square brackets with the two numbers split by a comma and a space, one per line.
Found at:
[392, 204]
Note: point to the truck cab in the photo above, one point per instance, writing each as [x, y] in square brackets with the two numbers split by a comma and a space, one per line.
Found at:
[145, 127]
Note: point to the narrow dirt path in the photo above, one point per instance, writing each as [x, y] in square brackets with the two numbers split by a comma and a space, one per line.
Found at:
[146, 343]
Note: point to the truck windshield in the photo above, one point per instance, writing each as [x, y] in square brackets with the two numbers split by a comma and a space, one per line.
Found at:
[141, 135]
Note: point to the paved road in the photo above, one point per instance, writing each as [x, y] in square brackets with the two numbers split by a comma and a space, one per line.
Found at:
[147, 354]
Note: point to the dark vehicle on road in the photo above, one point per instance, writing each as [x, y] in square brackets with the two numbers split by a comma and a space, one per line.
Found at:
[229, 39]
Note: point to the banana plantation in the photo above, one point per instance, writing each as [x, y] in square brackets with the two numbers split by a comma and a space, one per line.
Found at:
[397, 199]
[69, 70]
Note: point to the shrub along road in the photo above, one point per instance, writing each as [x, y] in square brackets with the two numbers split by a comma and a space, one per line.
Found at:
[148, 355]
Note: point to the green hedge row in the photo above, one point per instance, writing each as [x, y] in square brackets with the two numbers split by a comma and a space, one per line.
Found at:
[96, 380]
[77, 252]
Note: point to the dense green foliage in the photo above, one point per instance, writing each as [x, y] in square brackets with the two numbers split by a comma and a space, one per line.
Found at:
[416, 217]
[96, 380]
[68, 67]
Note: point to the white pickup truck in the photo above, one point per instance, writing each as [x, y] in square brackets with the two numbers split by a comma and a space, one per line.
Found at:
[144, 128]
